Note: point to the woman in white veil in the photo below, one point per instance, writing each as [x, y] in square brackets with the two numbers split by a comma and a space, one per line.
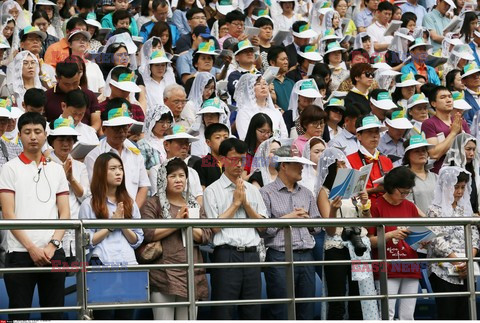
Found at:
[252, 95]
[335, 248]
[151, 45]
[22, 77]
[158, 120]
[12, 8]
[203, 87]
[157, 77]
[460, 56]
[126, 39]
[450, 242]
[359, 41]
[464, 153]
[313, 149]
[263, 170]
[13, 40]
[332, 20]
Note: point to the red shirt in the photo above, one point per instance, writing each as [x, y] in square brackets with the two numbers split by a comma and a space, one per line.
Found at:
[401, 250]
[357, 162]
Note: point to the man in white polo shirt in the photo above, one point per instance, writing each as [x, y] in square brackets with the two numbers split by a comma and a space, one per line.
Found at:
[34, 188]
[377, 29]
[115, 125]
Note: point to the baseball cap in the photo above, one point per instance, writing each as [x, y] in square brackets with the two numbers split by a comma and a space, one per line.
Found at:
[202, 31]
[398, 120]
[371, 122]
[383, 101]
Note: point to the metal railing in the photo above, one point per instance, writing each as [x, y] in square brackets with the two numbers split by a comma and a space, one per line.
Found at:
[82, 240]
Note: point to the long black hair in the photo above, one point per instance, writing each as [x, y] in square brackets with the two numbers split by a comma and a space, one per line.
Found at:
[465, 31]
[258, 121]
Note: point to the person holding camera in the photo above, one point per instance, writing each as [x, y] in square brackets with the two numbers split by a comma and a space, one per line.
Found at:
[403, 278]
[348, 243]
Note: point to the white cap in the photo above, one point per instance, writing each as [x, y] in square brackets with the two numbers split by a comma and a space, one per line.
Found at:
[118, 121]
[295, 159]
[384, 101]
[308, 88]
[371, 122]
[180, 135]
[451, 3]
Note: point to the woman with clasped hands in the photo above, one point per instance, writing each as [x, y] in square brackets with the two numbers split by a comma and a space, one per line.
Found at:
[173, 202]
[110, 200]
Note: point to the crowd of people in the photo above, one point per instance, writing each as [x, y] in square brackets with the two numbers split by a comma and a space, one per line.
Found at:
[241, 109]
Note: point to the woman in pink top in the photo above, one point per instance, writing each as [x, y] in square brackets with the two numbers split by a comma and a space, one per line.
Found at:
[312, 120]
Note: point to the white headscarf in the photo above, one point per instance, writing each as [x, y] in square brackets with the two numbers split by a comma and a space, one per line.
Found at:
[21, 22]
[127, 40]
[456, 155]
[15, 39]
[446, 42]
[315, 17]
[329, 156]
[293, 103]
[245, 93]
[399, 44]
[196, 91]
[444, 189]
[261, 160]
[357, 43]
[453, 59]
[308, 172]
[162, 191]
[145, 54]
[14, 75]
[153, 115]
[327, 23]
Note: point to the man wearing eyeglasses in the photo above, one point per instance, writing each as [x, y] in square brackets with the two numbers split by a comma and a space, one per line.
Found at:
[160, 9]
[418, 51]
[236, 26]
[175, 98]
[115, 124]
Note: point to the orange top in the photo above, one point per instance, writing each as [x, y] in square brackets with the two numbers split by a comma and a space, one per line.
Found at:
[421, 69]
[57, 52]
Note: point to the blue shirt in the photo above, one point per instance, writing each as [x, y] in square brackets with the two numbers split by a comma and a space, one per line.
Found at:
[180, 20]
[115, 248]
[431, 73]
[418, 10]
[363, 18]
[388, 147]
[147, 28]
[185, 64]
[108, 23]
[435, 21]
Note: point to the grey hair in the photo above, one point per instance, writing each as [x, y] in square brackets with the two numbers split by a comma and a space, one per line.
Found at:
[169, 89]
[283, 151]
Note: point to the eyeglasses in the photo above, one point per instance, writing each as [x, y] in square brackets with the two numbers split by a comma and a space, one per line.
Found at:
[29, 63]
[179, 102]
[369, 74]
[318, 124]
[404, 193]
[164, 122]
[116, 46]
[238, 24]
[264, 132]
[234, 161]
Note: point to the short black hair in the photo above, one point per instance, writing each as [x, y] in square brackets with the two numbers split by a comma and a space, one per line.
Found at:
[399, 177]
[407, 17]
[273, 53]
[176, 164]
[432, 96]
[358, 51]
[86, 4]
[114, 104]
[35, 98]
[232, 144]
[120, 15]
[31, 118]
[352, 111]
[427, 88]
[197, 57]
[118, 70]
[297, 24]
[262, 21]
[193, 11]
[321, 69]
[312, 113]
[73, 22]
[156, 3]
[65, 69]
[234, 15]
[214, 128]
[385, 6]
[463, 178]
[76, 98]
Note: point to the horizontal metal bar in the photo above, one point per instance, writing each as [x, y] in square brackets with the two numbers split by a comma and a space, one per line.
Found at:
[235, 223]
[39, 310]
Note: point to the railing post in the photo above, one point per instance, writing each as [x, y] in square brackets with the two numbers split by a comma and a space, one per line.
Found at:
[192, 310]
[80, 245]
[382, 254]
[472, 306]
[290, 274]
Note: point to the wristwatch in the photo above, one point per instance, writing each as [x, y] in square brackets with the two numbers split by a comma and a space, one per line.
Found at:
[56, 243]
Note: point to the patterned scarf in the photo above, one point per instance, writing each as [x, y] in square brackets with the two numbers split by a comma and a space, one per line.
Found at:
[162, 191]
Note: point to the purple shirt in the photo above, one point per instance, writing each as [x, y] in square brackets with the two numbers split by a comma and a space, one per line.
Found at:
[434, 126]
